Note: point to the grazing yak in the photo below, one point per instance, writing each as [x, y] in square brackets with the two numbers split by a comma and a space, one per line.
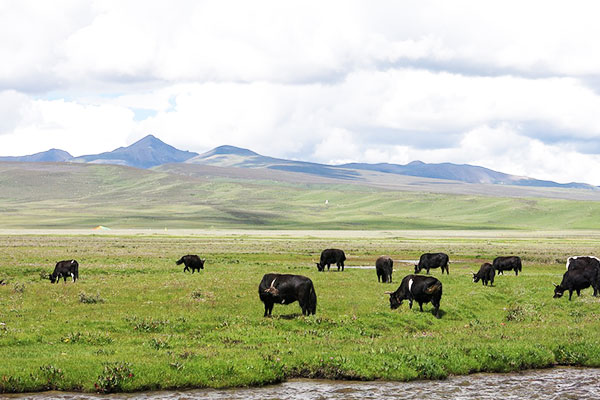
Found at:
[286, 289]
[63, 269]
[331, 256]
[582, 272]
[384, 267]
[502, 264]
[433, 260]
[575, 261]
[192, 262]
[419, 288]
[486, 274]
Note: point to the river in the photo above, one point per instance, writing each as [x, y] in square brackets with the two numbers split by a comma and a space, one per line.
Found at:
[555, 383]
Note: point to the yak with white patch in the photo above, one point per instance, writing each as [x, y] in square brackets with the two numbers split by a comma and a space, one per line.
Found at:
[486, 274]
[384, 266]
[433, 260]
[191, 261]
[507, 263]
[331, 256]
[419, 288]
[286, 289]
[582, 272]
[63, 269]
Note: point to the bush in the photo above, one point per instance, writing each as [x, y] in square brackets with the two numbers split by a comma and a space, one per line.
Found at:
[114, 375]
[90, 299]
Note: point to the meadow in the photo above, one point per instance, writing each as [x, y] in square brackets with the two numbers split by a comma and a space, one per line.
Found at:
[66, 196]
[134, 321]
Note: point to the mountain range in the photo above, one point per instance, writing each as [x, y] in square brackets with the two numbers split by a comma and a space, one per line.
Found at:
[151, 152]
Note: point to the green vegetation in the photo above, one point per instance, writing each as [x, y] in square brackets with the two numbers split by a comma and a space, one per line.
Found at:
[83, 196]
[135, 321]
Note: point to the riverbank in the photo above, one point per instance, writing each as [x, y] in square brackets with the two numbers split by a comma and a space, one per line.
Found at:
[135, 321]
[555, 383]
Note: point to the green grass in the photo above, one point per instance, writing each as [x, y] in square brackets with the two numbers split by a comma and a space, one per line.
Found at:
[134, 312]
[84, 196]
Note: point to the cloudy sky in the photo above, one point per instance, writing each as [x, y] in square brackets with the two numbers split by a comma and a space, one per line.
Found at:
[509, 85]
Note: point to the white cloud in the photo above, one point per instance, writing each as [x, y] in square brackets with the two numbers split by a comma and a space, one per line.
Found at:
[329, 82]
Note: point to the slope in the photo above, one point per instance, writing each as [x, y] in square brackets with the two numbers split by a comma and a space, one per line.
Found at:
[63, 195]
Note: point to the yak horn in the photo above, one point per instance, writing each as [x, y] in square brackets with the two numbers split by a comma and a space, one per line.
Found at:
[555, 285]
[388, 292]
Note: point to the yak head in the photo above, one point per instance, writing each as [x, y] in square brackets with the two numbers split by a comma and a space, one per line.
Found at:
[558, 291]
[417, 269]
[272, 289]
[475, 277]
[52, 277]
[396, 298]
[202, 263]
[320, 267]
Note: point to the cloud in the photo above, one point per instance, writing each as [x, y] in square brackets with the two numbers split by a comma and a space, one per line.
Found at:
[328, 82]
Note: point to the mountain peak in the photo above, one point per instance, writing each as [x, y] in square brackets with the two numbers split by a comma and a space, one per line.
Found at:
[147, 152]
[227, 149]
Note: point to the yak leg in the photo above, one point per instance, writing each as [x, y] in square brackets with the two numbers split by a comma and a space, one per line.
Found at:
[570, 294]
[421, 306]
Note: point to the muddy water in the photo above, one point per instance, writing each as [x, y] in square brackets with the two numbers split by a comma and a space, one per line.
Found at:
[557, 383]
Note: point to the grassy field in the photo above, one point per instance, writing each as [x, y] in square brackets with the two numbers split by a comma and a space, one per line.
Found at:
[83, 196]
[135, 321]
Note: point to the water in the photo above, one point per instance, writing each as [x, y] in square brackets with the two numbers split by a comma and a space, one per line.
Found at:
[556, 383]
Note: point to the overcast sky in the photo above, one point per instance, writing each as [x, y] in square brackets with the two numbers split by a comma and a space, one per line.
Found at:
[509, 85]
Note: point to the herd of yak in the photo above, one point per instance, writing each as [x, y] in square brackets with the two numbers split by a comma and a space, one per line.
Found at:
[582, 272]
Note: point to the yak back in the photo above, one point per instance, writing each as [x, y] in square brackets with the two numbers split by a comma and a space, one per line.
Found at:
[421, 287]
[284, 287]
[332, 256]
[504, 263]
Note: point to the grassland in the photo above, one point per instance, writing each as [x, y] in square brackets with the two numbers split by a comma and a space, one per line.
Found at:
[63, 195]
[135, 321]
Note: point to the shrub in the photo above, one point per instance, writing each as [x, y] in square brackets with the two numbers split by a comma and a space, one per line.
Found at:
[52, 376]
[90, 299]
[113, 376]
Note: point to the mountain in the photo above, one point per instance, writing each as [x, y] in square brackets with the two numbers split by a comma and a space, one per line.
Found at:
[231, 156]
[52, 155]
[151, 152]
[463, 173]
[145, 153]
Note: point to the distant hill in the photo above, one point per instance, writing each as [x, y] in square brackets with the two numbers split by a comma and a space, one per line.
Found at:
[145, 153]
[463, 173]
[231, 156]
[52, 155]
[80, 195]
[151, 152]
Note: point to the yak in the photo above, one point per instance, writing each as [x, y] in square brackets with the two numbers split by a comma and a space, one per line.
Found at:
[582, 273]
[433, 260]
[331, 256]
[419, 288]
[486, 274]
[507, 263]
[286, 289]
[191, 261]
[384, 267]
[63, 269]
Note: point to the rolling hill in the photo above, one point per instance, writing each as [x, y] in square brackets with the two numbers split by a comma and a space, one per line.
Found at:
[78, 195]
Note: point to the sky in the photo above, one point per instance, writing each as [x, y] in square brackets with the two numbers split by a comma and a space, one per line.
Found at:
[509, 85]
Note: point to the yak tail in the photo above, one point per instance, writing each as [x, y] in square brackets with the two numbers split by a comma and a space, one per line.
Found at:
[434, 288]
[312, 300]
